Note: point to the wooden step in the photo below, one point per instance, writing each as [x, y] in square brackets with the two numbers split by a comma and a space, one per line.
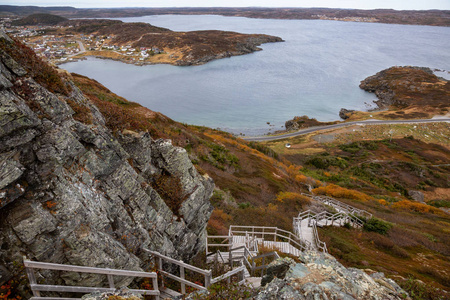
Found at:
[168, 293]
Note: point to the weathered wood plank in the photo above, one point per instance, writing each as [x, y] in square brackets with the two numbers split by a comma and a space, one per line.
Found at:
[187, 282]
[177, 262]
[84, 289]
[82, 269]
[228, 274]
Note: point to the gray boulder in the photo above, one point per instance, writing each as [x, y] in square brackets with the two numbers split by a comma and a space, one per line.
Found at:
[345, 113]
[321, 276]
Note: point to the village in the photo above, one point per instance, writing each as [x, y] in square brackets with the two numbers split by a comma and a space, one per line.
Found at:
[55, 46]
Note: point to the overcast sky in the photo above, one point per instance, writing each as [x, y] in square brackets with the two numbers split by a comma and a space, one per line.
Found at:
[362, 4]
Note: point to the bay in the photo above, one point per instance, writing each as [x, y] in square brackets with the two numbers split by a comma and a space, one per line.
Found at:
[315, 72]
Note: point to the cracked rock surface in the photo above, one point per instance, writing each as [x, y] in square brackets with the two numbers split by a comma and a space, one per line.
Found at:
[75, 193]
[320, 276]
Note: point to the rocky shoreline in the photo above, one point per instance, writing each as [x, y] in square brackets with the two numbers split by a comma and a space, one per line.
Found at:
[408, 92]
[251, 45]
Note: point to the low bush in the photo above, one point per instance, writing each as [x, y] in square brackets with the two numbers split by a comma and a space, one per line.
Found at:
[416, 206]
[221, 290]
[170, 189]
[419, 290]
[340, 192]
[377, 225]
[39, 70]
[439, 203]
[325, 161]
[387, 245]
[355, 147]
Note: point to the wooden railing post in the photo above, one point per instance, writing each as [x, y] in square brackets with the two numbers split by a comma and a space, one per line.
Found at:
[111, 281]
[263, 264]
[155, 285]
[183, 286]
[161, 268]
[253, 266]
[32, 278]
[208, 278]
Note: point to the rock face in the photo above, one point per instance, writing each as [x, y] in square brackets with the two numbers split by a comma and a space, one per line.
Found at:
[345, 113]
[75, 193]
[417, 196]
[321, 276]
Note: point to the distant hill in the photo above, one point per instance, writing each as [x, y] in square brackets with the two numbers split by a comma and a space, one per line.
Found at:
[39, 19]
[13, 10]
[389, 16]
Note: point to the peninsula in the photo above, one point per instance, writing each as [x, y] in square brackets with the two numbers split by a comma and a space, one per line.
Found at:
[403, 93]
[61, 40]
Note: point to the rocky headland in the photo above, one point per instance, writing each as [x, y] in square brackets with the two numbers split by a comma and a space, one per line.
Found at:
[402, 93]
[79, 193]
[415, 90]
[144, 44]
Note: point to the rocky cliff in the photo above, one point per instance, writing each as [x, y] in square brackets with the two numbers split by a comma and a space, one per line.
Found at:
[320, 276]
[77, 193]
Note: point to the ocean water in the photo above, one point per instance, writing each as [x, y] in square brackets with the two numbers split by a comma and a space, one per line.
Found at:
[315, 72]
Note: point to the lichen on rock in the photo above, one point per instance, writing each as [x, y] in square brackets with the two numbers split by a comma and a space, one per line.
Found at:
[321, 276]
[76, 193]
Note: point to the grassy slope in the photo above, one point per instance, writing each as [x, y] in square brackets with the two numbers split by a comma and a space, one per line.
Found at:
[249, 183]
[258, 185]
[398, 159]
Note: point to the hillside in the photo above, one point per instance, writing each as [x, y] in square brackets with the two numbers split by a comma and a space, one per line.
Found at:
[143, 43]
[261, 184]
[39, 19]
[390, 16]
[66, 139]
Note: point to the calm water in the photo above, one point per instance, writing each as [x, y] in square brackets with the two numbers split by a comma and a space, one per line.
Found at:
[315, 72]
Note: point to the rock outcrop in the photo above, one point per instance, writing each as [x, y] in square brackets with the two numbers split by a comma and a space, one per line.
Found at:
[345, 113]
[408, 86]
[76, 193]
[321, 276]
[303, 122]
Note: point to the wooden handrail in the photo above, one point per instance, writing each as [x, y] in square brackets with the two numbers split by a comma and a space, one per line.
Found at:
[342, 205]
[178, 262]
[182, 280]
[229, 274]
[37, 288]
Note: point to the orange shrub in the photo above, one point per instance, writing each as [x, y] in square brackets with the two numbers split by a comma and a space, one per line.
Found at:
[416, 206]
[340, 192]
[218, 222]
[291, 196]
[383, 202]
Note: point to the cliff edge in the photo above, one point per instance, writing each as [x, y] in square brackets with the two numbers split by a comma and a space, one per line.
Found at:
[76, 193]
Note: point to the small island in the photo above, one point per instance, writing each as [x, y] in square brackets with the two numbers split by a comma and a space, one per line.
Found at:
[61, 40]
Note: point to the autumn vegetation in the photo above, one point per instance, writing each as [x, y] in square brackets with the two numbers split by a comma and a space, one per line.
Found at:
[256, 185]
[259, 185]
